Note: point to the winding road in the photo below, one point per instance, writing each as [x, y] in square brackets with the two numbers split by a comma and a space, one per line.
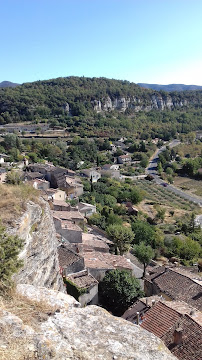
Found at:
[152, 170]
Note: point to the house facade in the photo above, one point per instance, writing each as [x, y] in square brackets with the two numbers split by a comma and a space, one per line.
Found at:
[123, 159]
[91, 174]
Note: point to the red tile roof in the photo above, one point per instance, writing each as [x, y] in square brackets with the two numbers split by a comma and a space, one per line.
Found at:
[159, 319]
[100, 260]
[82, 279]
[180, 286]
[162, 321]
[191, 346]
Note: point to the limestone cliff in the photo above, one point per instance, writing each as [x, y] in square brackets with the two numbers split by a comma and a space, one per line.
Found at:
[156, 101]
[70, 332]
[36, 228]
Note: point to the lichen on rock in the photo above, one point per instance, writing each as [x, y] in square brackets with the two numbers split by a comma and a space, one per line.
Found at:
[70, 332]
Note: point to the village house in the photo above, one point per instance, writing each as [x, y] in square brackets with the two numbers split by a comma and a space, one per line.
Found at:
[98, 263]
[3, 157]
[70, 232]
[74, 217]
[58, 177]
[3, 174]
[91, 174]
[93, 242]
[86, 209]
[110, 167]
[40, 184]
[136, 312]
[29, 176]
[59, 205]
[115, 174]
[178, 326]
[175, 284]
[88, 286]
[55, 194]
[123, 159]
[44, 169]
[69, 261]
[73, 187]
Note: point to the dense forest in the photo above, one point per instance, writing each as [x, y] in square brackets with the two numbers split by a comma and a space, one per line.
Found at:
[70, 102]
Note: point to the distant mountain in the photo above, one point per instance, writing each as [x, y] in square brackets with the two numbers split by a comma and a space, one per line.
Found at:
[5, 84]
[170, 87]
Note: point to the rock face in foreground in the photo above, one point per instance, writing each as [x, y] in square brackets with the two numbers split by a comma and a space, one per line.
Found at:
[71, 332]
[41, 266]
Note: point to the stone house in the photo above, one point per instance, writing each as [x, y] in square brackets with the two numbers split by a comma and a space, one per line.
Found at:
[174, 284]
[115, 174]
[70, 232]
[3, 157]
[41, 184]
[56, 194]
[59, 205]
[98, 263]
[110, 167]
[58, 177]
[29, 176]
[179, 327]
[136, 312]
[123, 159]
[86, 209]
[91, 174]
[74, 217]
[93, 242]
[85, 281]
[69, 261]
[73, 187]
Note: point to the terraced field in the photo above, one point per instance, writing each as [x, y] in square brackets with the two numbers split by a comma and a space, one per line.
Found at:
[162, 196]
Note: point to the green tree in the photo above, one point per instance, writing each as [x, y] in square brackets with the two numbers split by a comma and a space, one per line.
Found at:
[143, 232]
[121, 237]
[144, 253]
[119, 290]
[10, 247]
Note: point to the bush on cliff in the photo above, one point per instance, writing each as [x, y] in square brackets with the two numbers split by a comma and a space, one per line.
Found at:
[10, 247]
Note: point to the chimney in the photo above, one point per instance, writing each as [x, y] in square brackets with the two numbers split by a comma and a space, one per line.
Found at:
[177, 336]
[146, 302]
[138, 317]
[153, 302]
[192, 312]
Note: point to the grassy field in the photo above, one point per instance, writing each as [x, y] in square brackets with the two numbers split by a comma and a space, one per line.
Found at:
[188, 185]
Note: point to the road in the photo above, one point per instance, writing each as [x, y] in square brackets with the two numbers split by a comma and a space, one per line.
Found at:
[152, 170]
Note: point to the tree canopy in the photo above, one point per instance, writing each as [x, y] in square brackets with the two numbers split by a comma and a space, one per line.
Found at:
[119, 290]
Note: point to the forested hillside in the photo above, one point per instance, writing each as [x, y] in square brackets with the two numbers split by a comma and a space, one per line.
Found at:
[170, 87]
[99, 106]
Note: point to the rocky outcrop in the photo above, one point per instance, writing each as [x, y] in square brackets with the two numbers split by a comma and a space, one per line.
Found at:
[36, 228]
[157, 102]
[70, 332]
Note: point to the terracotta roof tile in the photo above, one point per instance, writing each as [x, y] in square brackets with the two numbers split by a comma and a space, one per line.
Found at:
[180, 287]
[191, 346]
[66, 256]
[159, 319]
[82, 279]
[67, 215]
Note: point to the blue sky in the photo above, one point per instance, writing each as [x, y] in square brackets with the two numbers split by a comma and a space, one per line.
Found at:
[153, 41]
